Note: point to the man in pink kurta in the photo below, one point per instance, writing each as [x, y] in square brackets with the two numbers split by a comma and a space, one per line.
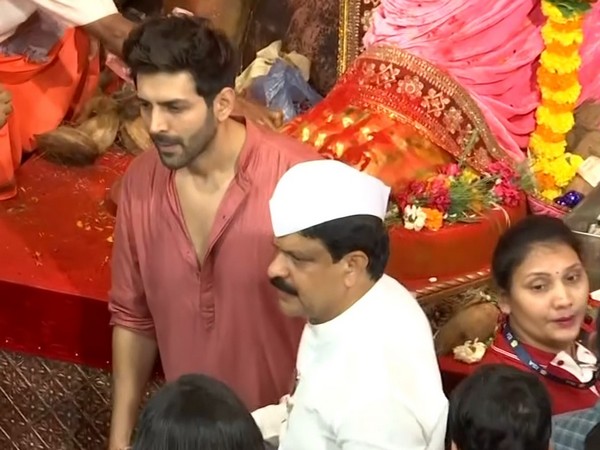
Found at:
[221, 319]
[193, 238]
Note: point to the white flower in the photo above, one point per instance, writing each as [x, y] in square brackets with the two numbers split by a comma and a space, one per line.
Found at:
[414, 218]
[470, 352]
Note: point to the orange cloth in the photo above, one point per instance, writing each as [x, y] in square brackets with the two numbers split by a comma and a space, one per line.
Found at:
[43, 95]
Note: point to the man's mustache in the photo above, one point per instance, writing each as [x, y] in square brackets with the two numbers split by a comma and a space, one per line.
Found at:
[163, 140]
[282, 285]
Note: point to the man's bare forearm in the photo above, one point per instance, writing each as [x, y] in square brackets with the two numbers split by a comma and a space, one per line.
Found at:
[111, 31]
[134, 356]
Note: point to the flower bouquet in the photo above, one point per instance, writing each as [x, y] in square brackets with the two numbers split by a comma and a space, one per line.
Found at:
[457, 194]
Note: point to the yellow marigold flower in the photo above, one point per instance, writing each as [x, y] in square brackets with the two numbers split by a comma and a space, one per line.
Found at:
[469, 175]
[560, 64]
[566, 96]
[551, 33]
[574, 24]
[574, 159]
[560, 123]
[555, 15]
[557, 108]
[562, 171]
[540, 148]
[551, 194]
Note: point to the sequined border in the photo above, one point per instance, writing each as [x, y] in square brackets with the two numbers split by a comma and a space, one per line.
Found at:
[354, 20]
[348, 34]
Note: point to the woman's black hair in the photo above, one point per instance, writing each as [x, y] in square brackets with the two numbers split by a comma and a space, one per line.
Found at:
[517, 242]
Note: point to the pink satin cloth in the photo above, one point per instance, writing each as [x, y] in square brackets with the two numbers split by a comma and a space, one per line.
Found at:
[491, 48]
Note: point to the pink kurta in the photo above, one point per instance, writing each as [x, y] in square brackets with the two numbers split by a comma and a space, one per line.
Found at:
[222, 319]
[491, 48]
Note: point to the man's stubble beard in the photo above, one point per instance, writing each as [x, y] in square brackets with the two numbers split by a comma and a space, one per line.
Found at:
[197, 145]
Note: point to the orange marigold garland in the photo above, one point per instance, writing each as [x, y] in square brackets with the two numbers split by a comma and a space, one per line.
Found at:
[557, 77]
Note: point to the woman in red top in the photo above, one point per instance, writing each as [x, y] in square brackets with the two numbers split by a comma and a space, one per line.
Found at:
[544, 292]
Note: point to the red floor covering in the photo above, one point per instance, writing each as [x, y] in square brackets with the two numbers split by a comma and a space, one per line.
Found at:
[55, 244]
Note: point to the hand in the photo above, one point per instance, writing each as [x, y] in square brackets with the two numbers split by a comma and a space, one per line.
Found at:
[5, 105]
[258, 113]
[113, 446]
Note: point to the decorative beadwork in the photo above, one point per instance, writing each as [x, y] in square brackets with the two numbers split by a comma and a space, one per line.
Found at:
[355, 19]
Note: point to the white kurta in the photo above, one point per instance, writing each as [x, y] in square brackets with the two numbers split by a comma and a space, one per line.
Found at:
[368, 379]
[73, 12]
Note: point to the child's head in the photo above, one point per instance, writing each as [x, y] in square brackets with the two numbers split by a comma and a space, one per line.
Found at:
[499, 408]
[196, 412]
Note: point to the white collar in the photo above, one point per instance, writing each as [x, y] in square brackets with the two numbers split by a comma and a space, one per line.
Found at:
[349, 318]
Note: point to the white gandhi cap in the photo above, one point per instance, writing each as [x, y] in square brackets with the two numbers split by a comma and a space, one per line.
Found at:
[315, 192]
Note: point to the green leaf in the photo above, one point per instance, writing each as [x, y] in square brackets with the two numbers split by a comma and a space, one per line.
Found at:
[570, 8]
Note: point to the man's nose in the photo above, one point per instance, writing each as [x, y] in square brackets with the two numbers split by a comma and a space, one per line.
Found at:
[277, 268]
[157, 123]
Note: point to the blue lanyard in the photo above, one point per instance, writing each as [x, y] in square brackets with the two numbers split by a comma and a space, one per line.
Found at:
[526, 359]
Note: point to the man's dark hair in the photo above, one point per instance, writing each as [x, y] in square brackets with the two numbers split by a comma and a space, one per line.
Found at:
[175, 44]
[592, 440]
[367, 234]
[500, 407]
[196, 412]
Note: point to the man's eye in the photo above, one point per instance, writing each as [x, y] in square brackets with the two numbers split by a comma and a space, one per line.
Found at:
[296, 260]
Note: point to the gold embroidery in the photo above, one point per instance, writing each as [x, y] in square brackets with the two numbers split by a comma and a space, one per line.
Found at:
[366, 19]
[410, 86]
[411, 90]
[355, 18]
[435, 102]
[349, 33]
[453, 119]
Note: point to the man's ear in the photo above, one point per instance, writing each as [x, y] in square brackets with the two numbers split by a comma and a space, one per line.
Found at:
[355, 264]
[223, 104]
[453, 446]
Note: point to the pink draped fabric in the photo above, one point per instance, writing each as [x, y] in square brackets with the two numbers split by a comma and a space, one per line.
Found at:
[491, 48]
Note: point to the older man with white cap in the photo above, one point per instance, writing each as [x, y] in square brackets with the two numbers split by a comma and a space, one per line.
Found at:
[367, 375]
